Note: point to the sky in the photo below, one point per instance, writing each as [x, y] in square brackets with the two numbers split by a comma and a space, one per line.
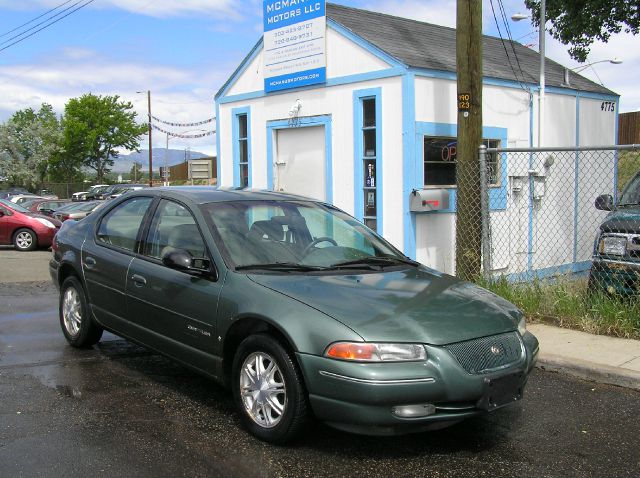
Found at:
[184, 50]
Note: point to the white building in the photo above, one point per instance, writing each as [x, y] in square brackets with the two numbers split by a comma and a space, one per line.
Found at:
[384, 123]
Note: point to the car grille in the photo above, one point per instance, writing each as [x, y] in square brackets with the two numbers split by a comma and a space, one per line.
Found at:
[487, 353]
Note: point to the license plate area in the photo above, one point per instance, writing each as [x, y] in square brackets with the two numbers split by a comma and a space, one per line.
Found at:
[501, 391]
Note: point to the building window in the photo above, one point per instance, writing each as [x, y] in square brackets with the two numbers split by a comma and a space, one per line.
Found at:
[440, 154]
[369, 156]
[243, 149]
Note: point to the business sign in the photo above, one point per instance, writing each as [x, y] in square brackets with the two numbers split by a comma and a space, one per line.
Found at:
[294, 43]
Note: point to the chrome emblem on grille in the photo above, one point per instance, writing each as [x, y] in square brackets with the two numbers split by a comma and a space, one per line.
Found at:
[495, 350]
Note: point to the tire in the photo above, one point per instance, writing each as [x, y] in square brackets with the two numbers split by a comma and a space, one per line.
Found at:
[279, 413]
[78, 326]
[25, 240]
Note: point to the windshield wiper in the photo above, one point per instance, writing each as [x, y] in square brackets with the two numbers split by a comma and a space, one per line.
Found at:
[372, 261]
[281, 266]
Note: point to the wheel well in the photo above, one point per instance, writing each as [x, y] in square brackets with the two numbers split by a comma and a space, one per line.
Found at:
[65, 271]
[242, 329]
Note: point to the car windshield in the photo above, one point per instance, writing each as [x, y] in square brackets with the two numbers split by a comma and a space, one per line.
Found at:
[631, 194]
[14, 206]
[292, 235]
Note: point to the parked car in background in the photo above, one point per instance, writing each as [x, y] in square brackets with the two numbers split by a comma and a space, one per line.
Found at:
[119, 191]
[296, 306]
[46, 193]
[94, 191]
[75, 197]
[616, 253]
[45, 206]
[76, 211]
[20, 198]
[7, 193]
[24, 229]
[106, 192]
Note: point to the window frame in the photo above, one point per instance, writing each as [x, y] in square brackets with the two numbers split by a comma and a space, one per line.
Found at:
[486, 141]
[236, 114]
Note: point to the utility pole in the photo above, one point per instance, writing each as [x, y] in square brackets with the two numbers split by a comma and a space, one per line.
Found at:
[469, 76]
[150, 148]
[541, 95]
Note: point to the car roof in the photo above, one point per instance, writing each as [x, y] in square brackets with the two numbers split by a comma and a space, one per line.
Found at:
[208, 194]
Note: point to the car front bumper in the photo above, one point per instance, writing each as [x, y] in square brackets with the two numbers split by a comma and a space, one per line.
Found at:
[616, 277]
[363, 397]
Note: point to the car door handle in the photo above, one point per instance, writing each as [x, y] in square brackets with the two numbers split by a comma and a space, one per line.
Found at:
[89, 262]
[138, 280]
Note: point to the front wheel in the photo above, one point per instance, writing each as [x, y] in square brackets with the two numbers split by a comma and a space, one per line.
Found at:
[268, 390]
[78, 327]
[25, 240]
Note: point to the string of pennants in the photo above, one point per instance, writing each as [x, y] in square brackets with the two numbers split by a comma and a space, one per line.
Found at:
[186, 136]
[170, 123]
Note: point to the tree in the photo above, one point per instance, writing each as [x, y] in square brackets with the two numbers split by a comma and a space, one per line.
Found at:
[28, 141]
[579, 23]
[136, 174]
[96, 126]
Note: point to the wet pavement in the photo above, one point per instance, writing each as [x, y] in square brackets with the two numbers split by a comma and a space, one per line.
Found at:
[121, 410]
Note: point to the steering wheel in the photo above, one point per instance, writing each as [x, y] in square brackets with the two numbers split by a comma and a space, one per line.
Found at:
[317, 240]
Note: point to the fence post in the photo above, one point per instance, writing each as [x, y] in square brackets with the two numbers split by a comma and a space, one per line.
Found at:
[484, 212]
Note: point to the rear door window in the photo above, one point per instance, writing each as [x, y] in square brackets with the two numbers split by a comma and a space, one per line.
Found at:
[120, 226]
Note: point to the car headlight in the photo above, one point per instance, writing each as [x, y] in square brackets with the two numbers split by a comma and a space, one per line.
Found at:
[83, 197]
[45, 222]
[370, 352]
[613, 246]
[522, 326]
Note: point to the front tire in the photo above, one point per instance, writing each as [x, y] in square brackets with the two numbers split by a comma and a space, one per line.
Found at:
[78, 326]
[268, 390]
[25, 240]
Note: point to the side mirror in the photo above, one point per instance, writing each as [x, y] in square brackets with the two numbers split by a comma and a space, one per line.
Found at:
[1, 213]
[182, 260]
[604, 202]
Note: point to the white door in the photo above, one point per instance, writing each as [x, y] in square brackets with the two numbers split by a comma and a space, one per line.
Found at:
[300, 160]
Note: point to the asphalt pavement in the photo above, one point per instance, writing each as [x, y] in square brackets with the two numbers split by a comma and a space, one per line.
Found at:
[120, 410]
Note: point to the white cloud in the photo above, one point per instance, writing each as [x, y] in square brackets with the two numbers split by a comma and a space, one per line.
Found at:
[175, 96]
[440, 12]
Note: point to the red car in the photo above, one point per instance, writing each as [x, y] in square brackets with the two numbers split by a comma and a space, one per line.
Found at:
[24, 229]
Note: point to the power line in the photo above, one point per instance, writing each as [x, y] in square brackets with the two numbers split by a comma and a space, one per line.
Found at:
[505, 49]
[46, 26]
[34, 19]
[513, 48]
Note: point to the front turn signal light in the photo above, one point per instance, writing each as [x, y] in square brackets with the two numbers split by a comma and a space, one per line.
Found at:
[376, 352]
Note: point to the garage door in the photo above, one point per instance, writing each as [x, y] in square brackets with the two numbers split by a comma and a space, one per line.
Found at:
[301, 161]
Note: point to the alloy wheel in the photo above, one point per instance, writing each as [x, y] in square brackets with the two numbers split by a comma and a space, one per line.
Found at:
[24, 240]
[263, 390]
[72, 311]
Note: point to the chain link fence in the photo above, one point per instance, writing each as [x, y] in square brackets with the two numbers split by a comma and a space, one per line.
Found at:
[562, 214]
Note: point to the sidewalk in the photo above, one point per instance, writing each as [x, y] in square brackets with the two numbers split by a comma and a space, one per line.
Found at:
[592, 357]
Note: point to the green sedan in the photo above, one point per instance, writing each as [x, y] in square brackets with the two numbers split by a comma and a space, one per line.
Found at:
[302, 311]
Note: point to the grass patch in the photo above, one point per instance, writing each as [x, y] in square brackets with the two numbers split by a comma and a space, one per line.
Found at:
[567, 303]
[628, 166]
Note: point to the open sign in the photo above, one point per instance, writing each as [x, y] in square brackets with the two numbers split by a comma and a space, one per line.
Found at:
[449, 151]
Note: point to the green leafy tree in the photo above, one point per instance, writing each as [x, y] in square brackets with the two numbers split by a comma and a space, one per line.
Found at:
[136, 173]
[28, 141]
[95, 127]
[578, 23]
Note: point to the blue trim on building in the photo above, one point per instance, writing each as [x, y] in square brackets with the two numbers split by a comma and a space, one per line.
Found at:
[358, 140]
[218, 153]
[341, 80]
[305, 122]
[550, 272]
[576, 183]
[409, 173]
[244, 64]
[497, 194]
[235, 112]
[530, 196]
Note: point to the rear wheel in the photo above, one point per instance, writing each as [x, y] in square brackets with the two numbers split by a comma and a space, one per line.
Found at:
[25, 240]
[268, 390]
[78, 327]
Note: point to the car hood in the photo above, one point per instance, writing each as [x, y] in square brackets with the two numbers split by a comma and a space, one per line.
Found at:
[622, 220]
[411, 305]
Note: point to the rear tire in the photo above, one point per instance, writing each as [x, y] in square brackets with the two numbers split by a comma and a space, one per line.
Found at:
[25, 240]
[268, 390]
[78, 326]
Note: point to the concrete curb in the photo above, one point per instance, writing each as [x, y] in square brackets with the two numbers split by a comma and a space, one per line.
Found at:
[591, 371]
